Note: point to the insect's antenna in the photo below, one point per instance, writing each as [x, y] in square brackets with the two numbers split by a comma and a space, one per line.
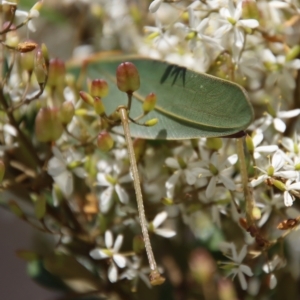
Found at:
[155, 276]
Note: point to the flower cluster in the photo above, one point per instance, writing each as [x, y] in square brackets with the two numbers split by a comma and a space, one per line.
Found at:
[231, 197]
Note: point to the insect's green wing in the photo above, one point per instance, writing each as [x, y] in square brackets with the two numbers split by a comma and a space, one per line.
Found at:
[189, 104]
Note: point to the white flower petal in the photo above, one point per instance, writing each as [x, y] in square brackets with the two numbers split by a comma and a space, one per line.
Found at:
[242, 280]
[120, 260]
[112, 273]
[172, 163]
[211, 188]
[246, 270]
[242, 254]
[118, 243]
[228, 182]
[164, 232]
[98, 254]
[55, 167]
[154, 6]
[106, 200]
[250, 23]
[122, 194]
[272, 282]
[159, 219]
[267, 149]
[101, 180]
[288, 200]
[108, 239]
[259, 180]
[289, 114]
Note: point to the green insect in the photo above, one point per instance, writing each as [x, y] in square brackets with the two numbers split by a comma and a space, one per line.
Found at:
[189, 105]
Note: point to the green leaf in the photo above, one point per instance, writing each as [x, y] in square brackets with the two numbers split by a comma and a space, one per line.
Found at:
[189, 104]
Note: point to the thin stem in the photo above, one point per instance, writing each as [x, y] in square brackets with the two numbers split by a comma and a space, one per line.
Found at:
[155, 277]
[244, 176]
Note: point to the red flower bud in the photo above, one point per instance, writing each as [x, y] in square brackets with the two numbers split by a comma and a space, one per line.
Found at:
[128, 78]
[99, 88]
[57, 72]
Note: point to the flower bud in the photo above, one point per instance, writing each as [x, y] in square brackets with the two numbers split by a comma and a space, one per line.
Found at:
[280, 185]
[128, 78]
[99, 88]
[57, 72]
[226, 290]
[167, 201]
[45, 54]
[105, 141]
[98, 106]
[40, 69]
[151, 122]
[48, 127]
[139, 146]
[249, 144]
[202, 265]
[293, 53]
[27, 60]
[67, 112]
[35, 9]
[250, 10]
[149, 102]
[2, 170]
[86, 97]
[12, 38]
[214, 143]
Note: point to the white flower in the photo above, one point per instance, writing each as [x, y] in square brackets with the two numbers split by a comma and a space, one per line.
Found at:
[268, 205]
[287, 195]
[257, 139]
[60, 168]
[184, 167]
[32, 14]
[280, 70]
[274, 170]
[237, 268]
[113, 184]
[111, 251]
[231, 19]
[220, 172]
[157, 221]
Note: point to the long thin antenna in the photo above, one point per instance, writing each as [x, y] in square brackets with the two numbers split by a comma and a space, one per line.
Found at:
[155, 277]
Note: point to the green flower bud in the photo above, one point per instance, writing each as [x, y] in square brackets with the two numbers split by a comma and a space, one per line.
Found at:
[67, 112]
[44, 50]
[226, 289]
[87, 98]
[40, 68]
[249, 144]
[128, 78]
[105, 141]
[280, 185]
[98, 106]
[27, 60]
[57, 72]
[12, 38]
[99, 88]
[151, 122]
[293, 53]
[214, 143]
[250, 10]
[48, 127]
[149, 102]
